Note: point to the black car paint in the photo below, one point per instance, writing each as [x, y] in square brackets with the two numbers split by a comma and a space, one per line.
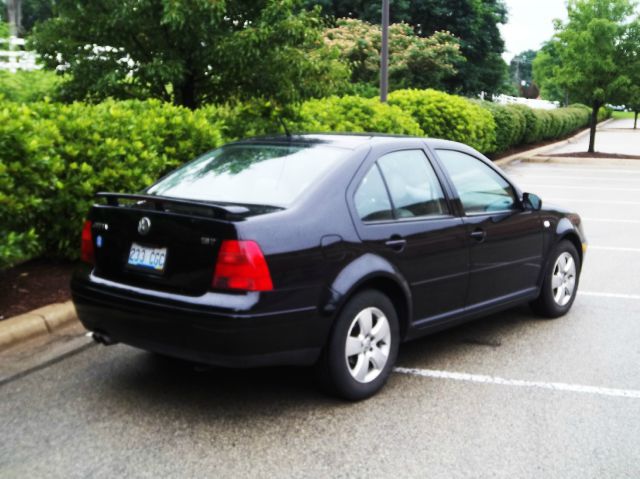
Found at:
[319, 253]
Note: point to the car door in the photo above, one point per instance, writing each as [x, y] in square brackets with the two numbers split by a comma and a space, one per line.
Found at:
[402, 213]
[506, 239]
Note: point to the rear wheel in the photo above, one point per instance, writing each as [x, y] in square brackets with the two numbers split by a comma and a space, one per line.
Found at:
[560, 283]
[362, 348]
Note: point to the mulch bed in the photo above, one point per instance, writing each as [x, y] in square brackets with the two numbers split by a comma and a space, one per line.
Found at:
[34, 284]
[597, 154]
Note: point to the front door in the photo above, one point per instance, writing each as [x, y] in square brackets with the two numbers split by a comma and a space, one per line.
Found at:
[505, 238]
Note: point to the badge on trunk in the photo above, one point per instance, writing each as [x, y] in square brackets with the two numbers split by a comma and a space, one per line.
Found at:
[144, 225]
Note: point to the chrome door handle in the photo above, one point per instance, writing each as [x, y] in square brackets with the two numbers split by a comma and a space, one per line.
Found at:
[478, 234]
[396, 243]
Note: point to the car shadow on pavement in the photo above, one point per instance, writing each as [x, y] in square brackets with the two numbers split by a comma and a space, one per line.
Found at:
[151, 381]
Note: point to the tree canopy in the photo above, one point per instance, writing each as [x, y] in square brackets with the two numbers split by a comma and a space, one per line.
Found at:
[189, 52]
[593, 50]
[474, 22]
[415, 62]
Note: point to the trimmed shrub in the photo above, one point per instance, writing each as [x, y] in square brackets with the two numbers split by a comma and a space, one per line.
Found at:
[510, 125]
[450, 117]
[356, 115]
[54, 158]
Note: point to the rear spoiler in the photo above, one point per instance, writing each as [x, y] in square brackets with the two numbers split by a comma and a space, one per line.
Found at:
[162, 202]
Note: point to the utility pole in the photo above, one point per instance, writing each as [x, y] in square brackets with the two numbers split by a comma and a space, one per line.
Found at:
[384, 54]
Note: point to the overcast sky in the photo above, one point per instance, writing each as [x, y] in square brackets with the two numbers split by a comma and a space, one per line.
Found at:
[530, 24]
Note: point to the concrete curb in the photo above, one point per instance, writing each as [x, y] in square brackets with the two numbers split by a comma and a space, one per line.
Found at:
[525, 155]
[39, 322]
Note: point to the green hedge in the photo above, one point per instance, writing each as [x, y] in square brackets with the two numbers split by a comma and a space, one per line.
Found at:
[55, 157]
[447, 116]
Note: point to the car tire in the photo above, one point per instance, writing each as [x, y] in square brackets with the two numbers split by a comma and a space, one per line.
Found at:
[362, 348]
[562, 274]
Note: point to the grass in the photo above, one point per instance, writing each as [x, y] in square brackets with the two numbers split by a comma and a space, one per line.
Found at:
[623, 114]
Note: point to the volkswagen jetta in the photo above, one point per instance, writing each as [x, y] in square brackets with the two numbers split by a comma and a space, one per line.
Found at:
[325, 250]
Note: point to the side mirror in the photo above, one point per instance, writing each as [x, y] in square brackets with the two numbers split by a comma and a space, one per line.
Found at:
[531, 202]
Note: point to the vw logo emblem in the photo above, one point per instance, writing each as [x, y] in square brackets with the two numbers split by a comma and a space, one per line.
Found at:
[144, 225]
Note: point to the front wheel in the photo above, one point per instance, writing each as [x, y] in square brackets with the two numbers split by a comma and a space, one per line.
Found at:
[362, 348]
[560, 284]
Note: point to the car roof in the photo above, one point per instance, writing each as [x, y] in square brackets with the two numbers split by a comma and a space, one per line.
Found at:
[352, 141]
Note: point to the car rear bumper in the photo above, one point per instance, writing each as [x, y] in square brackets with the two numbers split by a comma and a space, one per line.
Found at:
[202, 334]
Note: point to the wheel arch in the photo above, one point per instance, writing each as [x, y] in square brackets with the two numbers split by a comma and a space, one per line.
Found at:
[371, 272]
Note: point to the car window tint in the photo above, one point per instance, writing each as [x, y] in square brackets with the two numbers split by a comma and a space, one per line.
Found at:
[251, 174]
[413, 185]
[480, 188]
[371, 198]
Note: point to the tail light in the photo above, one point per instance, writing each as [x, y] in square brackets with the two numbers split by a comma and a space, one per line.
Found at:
[242, 266]
[86, 246]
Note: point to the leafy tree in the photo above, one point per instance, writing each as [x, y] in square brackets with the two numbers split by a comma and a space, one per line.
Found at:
[520, 67]
[544, 72]
[189, 52]
[631, 45]
[474, 22]
[415, 62]
[34, 11]
[593, 54]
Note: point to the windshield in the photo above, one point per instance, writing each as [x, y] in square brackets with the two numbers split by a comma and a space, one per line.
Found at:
[272, 175]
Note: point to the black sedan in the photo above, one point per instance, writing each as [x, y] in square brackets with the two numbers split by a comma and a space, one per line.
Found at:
[325, 250]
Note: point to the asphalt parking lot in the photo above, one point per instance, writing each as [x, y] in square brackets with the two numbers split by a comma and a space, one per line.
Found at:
[506, 396]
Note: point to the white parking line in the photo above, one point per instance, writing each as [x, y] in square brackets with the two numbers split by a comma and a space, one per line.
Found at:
[481, 378]
[614, 248]
[609, 295]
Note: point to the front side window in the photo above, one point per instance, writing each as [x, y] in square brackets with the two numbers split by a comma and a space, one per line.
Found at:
[414, 188]
[479, 187]
[273, 175]
[371, 199]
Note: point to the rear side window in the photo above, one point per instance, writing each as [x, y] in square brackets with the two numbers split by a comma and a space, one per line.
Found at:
[371, 199]
[273, 175]
[480, 188]
[414, 188]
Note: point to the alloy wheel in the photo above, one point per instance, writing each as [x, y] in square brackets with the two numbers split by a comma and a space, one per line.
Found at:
[368, 345]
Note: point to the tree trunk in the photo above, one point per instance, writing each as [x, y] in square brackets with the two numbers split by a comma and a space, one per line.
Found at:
[14, 16]
[635, 121]
[186, 92]
[594, 125]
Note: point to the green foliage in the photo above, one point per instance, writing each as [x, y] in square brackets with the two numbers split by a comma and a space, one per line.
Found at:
[4, 29]
[594, 50]
[410, 56]
[510, 125]
[474, 22]
[447, 116]
[28, 86]
[520, 67]
[544, 68]
[190, 53]
[54, 158]
[355, 114]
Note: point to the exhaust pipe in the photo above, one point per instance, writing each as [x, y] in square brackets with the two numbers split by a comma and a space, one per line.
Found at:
[103, 339]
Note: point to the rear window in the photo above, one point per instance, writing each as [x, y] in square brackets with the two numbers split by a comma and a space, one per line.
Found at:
[273, 175]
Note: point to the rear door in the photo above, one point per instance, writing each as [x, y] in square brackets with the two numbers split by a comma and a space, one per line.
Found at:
[401, 213]
[505, 239]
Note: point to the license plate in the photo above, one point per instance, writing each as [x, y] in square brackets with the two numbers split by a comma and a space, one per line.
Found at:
[148, 258]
